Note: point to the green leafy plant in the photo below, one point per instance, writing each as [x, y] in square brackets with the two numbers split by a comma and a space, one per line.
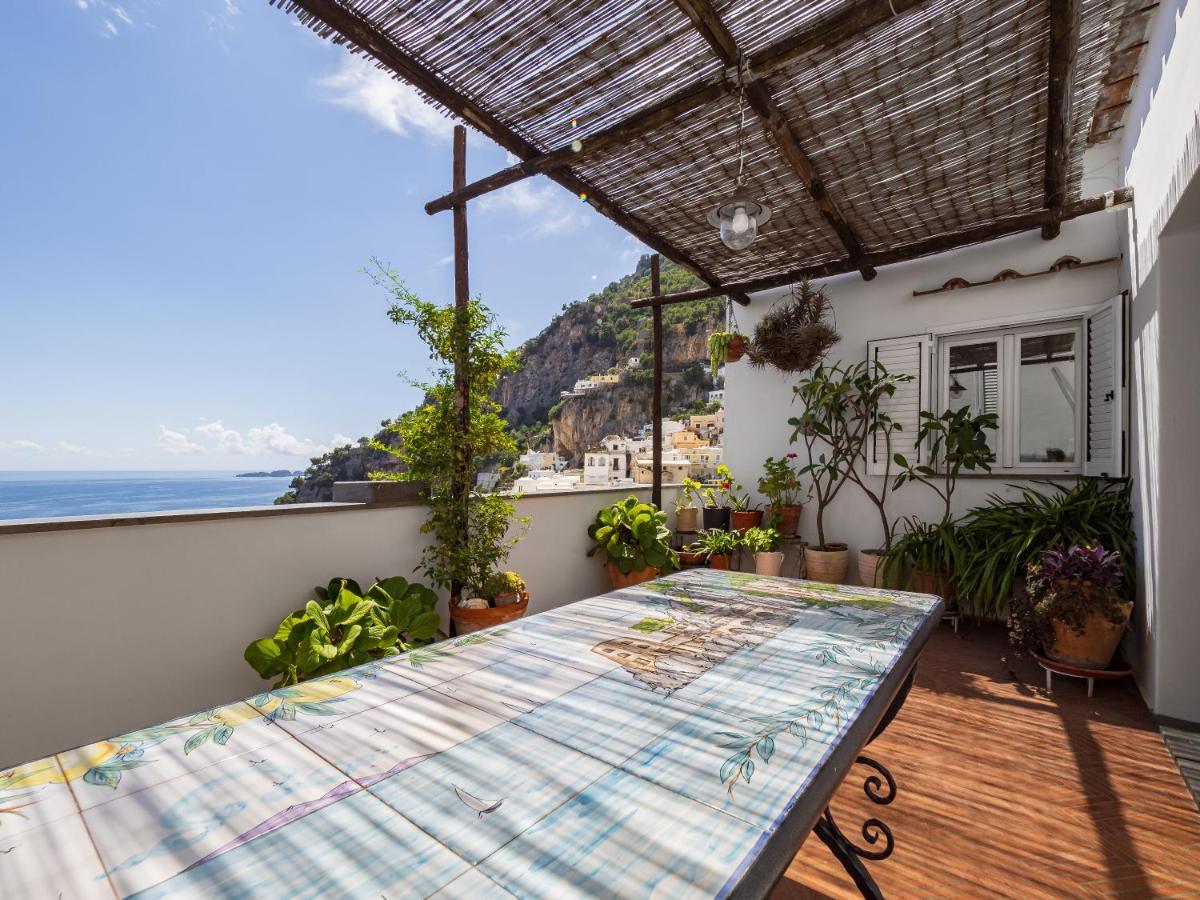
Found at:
[718, 348]
[719, 493]
[717, 542]
[441, 445]
[780, 482]
[934, 547]
[762, 540]
[1068, 585]
[499, 584]
[633, 536]
[346, 628]
[1003, 537]
[956, 443]
[691, 491]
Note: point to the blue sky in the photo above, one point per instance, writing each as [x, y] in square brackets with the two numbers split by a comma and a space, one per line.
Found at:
[190, 189]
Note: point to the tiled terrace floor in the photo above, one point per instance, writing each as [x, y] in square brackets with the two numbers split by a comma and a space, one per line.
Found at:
[1008, 792]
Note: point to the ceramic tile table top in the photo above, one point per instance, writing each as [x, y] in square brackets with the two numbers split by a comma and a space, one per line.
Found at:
[675, 739]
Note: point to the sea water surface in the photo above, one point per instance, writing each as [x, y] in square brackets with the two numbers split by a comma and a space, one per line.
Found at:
[36, 495]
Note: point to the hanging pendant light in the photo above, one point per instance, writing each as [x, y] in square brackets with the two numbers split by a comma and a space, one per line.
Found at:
[739, 218]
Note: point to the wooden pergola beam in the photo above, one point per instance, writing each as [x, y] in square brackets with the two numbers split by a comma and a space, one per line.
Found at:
[976, 234]
[1064, 47]
[362, 34]
[758, 94]
[814, 36]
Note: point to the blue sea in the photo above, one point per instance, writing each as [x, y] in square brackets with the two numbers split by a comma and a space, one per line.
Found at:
[36, 495]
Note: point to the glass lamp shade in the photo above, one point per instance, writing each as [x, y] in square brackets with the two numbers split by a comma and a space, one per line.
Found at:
[738, 220]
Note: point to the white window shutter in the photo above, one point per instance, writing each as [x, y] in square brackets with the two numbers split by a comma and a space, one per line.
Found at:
[1105, 424]
[910, 355]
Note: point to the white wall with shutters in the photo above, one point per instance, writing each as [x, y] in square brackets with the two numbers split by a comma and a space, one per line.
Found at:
[1106, 384]
[910, 355]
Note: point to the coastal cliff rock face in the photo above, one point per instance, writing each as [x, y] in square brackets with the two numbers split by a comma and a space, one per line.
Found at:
[589, 337]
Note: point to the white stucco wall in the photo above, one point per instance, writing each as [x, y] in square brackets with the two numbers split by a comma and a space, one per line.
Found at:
[1159, 158]
[759, 402]
[110, 629]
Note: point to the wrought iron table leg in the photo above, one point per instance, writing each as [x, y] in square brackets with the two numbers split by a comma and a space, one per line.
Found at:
[880, 788]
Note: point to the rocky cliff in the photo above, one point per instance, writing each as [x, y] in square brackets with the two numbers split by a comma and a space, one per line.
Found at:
[588, 337]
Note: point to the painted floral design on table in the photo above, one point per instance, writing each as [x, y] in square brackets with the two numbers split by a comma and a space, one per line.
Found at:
[623, 720]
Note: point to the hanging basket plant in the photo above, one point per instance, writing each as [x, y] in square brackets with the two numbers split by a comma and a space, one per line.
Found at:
[725, 347]
[795, 334]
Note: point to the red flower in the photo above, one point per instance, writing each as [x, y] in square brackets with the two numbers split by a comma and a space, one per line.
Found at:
[791, 456]
[726, 484]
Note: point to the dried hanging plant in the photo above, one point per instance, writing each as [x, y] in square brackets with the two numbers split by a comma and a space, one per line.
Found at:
[796, 333]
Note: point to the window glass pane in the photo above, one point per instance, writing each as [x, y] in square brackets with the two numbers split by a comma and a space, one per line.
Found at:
[1046, 410]
[974, 382]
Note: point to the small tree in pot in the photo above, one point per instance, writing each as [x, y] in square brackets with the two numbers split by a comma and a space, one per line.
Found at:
[686, 514]
[926, 557]
[716, 500]
[1074, 609]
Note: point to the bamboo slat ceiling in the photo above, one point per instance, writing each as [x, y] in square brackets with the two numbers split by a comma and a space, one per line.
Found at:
[929, 120]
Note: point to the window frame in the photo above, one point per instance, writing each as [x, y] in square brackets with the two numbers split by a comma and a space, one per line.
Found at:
[1007, 338]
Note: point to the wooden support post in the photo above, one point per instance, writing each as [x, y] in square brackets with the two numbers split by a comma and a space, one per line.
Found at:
[656, 402]
[462, 296]
[1064, 46]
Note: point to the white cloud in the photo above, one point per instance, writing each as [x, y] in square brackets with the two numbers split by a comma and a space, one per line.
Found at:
[20, 445]
[393, 105]
[176, 442]
[74, 449]
[261, 440]
[545, 206]
[445, 260]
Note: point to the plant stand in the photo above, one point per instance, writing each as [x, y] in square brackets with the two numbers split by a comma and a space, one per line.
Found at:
[1120, 669]
[795, 546]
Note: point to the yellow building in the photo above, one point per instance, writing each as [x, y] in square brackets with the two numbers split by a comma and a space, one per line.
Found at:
[707, 426]
[605, 379]
[704, 461]
[685, 440]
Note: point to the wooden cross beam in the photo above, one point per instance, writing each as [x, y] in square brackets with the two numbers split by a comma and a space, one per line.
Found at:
[814, 36]
[758, 94]
[1064, 47]
[976, 234]
[364, 35]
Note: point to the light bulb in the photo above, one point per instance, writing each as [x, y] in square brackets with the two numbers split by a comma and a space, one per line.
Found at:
[741, 221]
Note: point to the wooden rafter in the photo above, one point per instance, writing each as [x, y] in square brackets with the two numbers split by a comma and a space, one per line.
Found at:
[814, 36]
[758, 94]
[1064, 46]
[997, 228]
[361, 33]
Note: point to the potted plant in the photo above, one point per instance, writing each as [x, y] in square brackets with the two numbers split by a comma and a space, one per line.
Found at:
[826, 428]
[1074, 610]
[716, 500]
[635, 541]
[794, 334]
[744, 512]
[1002, 537]
[718, 547]
[782, 487]
[687, 516]
[725, 347]
[764, 543]
[932, 551]
[345, 627]
[692, 556]
[502, 597]
[443, 441]
[872, 426]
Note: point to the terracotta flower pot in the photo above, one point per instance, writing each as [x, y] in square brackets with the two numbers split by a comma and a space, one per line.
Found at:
[768, 563]
[744, 519]
[691, 558]
[620, 580]
[829, 563]
[716, 518]
[869, 571]
[938, 583]
[686, 518]
[1094, 648]
[719, 561]
[466, 621]
[736, 349]
[787, 519]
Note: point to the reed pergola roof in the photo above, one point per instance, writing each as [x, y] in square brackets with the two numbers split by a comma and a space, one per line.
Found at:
[878, 130]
